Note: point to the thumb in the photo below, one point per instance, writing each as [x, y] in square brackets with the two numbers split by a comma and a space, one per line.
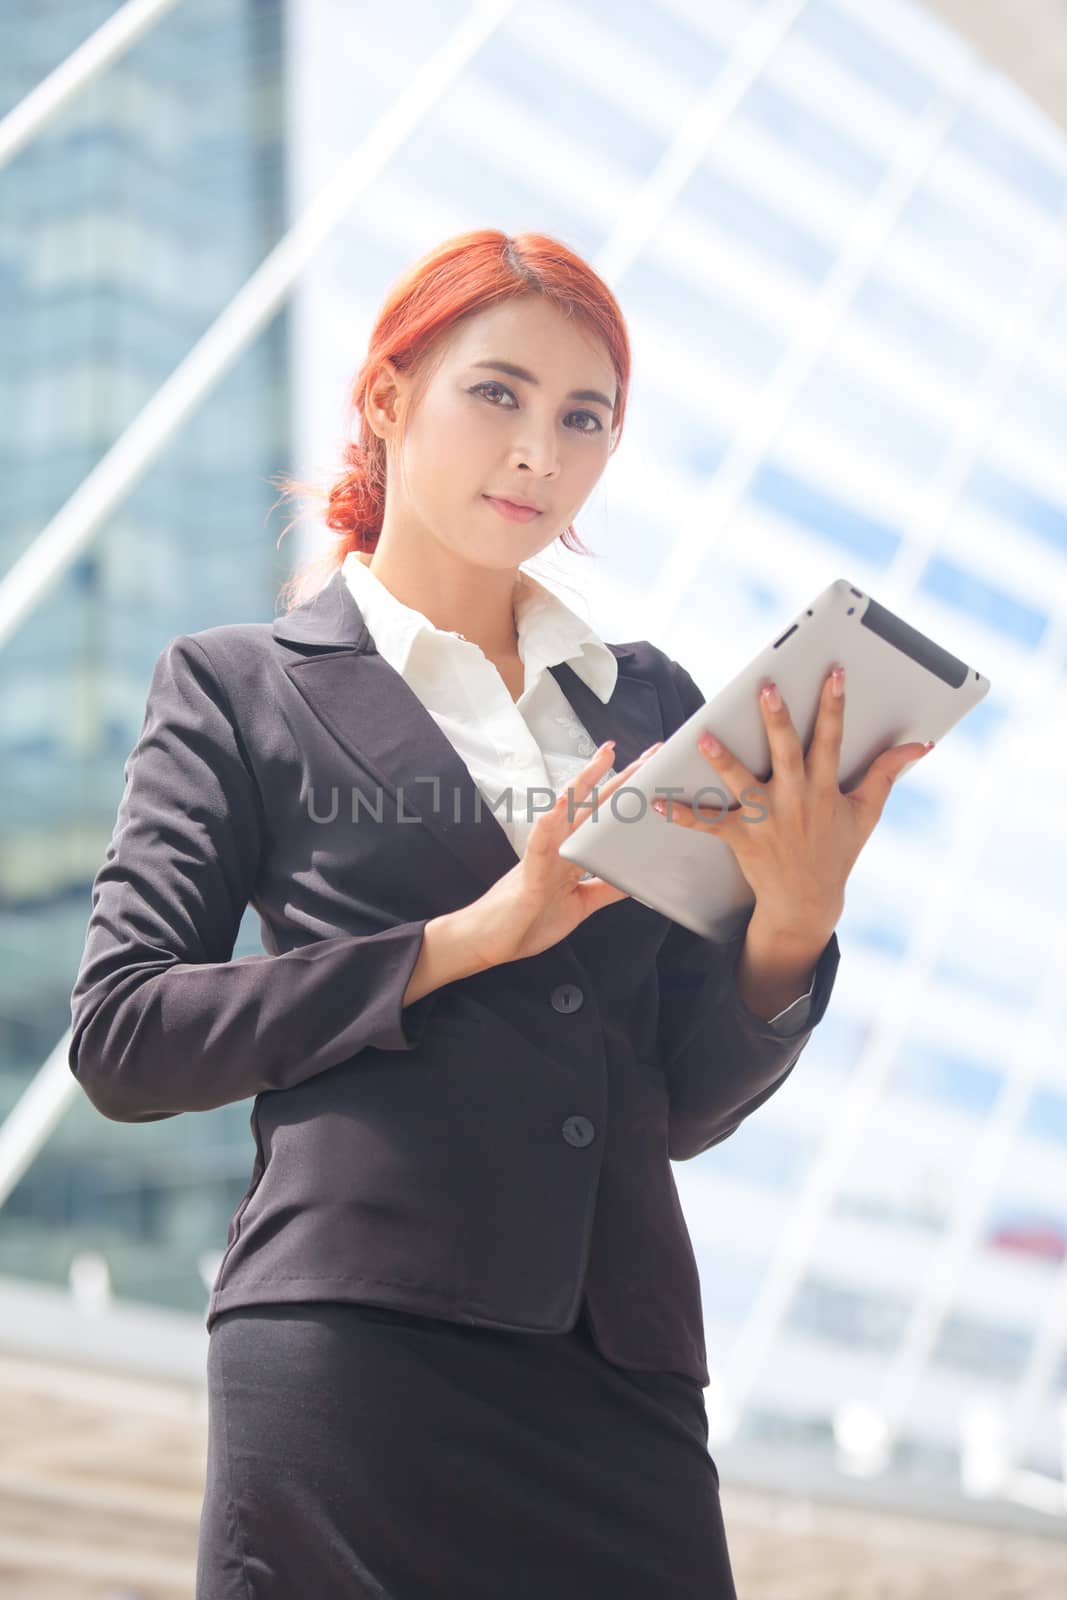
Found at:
[885, 770]
[596, 893]
[908, 755]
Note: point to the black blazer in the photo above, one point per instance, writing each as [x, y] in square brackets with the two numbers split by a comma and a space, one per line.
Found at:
[492, 1152]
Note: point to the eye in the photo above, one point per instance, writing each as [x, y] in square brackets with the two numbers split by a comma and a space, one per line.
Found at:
[490, 383]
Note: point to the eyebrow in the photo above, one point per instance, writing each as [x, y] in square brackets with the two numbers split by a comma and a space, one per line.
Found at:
[528, 377]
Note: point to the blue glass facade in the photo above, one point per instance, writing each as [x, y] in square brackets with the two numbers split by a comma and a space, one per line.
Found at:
[126, 226]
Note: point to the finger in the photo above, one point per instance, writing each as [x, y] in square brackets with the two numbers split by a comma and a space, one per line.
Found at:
[874, 791]
[734, 774]
[611, 784]
[787, 756]
[574, 793]
[824, 754]
[589, 775]
[906, 756]
[713, 816]
[554, 822]
[603, 789]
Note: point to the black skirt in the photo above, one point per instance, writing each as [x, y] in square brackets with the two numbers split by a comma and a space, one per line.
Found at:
[355, 1451]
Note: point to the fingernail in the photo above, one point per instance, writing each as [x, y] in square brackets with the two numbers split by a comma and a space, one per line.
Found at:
[929, 747]
[708, 742]
[772, 697]
[837, 681]
[660, 806]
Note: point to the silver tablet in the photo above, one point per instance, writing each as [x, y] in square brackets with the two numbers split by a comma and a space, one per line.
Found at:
[899, 686]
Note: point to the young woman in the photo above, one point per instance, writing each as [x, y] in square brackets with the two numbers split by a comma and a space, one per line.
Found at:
[456, 1342]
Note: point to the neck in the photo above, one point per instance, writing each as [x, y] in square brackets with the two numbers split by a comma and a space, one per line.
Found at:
[485, 616]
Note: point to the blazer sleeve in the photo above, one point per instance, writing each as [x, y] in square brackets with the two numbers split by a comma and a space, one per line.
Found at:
[163, 1020]
[722, 1061]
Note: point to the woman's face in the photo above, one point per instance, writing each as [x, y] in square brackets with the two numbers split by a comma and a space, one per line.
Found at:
[477, 431]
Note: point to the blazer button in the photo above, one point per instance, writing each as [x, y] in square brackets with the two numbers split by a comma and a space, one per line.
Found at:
[579, 1131]
[567, 997]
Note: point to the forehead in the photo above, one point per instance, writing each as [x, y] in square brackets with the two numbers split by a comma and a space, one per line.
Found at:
[531, 331]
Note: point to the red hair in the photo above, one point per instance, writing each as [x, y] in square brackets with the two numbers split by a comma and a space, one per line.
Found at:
[463, 275]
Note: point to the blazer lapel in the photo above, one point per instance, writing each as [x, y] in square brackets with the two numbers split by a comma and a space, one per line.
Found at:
[383, 726]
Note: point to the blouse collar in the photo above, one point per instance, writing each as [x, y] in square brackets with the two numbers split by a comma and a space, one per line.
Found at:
[549, 631]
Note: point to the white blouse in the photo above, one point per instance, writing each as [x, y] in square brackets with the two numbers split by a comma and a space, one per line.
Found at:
[534, 746]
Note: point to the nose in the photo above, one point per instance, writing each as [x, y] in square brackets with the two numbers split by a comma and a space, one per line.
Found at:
[538, 451]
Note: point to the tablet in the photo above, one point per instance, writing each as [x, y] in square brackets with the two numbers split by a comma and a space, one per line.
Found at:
[899, 686]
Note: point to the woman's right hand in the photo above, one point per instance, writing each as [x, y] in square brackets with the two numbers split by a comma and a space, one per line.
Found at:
[543, 898]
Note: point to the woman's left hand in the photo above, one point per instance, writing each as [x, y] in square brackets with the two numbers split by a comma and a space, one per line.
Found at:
[797, 857]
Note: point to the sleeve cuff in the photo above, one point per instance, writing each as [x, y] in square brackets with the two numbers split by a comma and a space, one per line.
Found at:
[403, 1026]
[794, 1015]
[806, 1010]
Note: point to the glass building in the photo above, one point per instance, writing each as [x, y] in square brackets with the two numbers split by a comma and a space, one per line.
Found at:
[126, 226]
[838, 239]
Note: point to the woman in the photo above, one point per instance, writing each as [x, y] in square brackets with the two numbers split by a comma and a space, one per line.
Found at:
[456, 1340]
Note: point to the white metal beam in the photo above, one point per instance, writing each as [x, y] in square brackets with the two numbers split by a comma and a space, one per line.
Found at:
[33, 1116]
[711, 507]
[1038, 1035]
[654, 198]
[1017, 336]
[49, 97]
[40, 566]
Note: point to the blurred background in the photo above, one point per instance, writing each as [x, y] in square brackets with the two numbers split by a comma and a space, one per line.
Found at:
[837, 231]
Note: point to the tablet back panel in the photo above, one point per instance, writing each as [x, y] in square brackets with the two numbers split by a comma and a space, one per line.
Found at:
[899, 686]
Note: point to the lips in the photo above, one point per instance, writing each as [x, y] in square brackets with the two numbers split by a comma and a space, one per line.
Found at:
[511, 500]
[512, 510]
